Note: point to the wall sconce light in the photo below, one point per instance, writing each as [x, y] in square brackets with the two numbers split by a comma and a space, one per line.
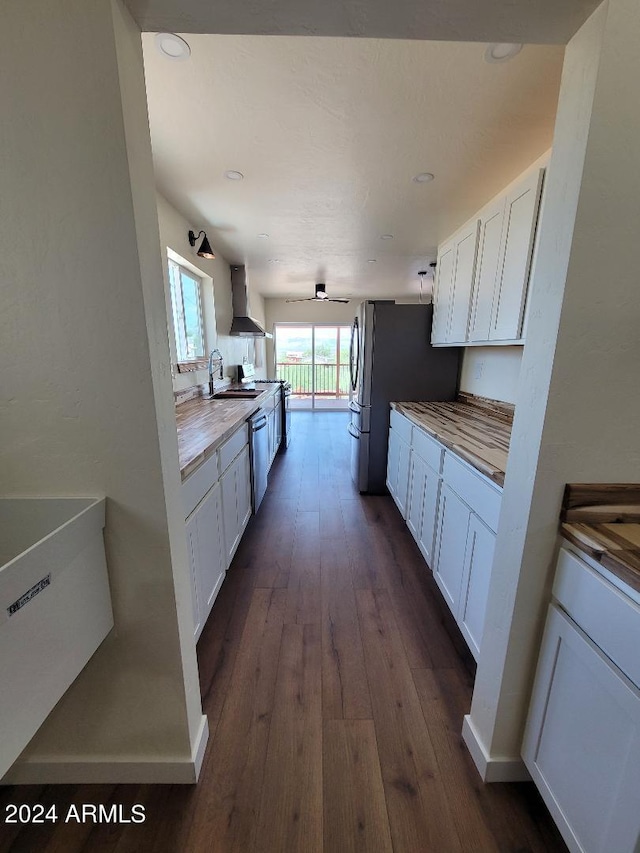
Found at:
[205, 250]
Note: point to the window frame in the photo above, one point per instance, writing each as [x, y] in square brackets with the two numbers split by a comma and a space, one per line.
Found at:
[175, 272]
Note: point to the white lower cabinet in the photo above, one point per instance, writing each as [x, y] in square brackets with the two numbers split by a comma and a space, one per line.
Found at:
[582, 741]
[236, 501]
[398, 470]
[476, 576]
[192, 549]
[206, 555]
[432, 484]
[448, 569]
[415, 501]
[452, 512]
[217, 510]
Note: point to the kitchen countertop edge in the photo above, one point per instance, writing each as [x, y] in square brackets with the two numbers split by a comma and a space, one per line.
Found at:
[190, 463]
[492, 473]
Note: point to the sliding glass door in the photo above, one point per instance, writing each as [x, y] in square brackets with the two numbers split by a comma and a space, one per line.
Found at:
[314, 358]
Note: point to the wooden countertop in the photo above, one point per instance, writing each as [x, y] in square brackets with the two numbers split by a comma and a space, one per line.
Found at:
[204, 424]
[476, 429]
[602, 520]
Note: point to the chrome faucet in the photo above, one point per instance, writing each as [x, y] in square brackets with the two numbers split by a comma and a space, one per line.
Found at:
[215, 352]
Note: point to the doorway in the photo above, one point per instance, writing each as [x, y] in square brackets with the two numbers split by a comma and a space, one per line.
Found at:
[314, 358]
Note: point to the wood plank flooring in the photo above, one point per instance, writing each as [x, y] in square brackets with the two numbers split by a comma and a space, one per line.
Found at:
[335, 683]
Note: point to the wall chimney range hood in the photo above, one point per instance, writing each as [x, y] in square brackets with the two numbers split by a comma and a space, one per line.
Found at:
[242, 324]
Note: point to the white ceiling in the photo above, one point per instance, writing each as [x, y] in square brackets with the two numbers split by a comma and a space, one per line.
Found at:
[329, 133]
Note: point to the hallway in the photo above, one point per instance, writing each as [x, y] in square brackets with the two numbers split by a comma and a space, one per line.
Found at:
[335, 684]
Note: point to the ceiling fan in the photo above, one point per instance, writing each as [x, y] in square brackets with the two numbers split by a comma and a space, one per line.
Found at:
[321, 296]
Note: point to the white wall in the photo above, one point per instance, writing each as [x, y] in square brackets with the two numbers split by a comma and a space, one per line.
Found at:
[85, 376]
[491, 372]
[577, 410]
[281, 311]
[217, 308]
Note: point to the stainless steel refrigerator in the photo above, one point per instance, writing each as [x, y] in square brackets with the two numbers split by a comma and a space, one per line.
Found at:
[391, 358]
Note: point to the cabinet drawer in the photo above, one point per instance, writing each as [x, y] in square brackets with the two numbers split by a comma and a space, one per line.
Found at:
[232, 447]
[196, 486]
[475, 490]
[603, 612]
[428, 448]
[402, 425]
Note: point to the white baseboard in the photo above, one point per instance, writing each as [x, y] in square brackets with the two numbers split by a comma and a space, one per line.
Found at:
[113, 772]
[492, 768]
[200, 746]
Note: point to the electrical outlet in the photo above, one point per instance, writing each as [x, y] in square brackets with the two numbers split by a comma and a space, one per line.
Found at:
[479, 367]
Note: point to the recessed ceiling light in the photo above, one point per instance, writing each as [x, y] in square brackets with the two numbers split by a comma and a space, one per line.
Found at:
[232, 175]
[423, 178]
[273, 261]
[386, 236]
[172, 46]
[262, 236]
[501, 52]
[372, 261]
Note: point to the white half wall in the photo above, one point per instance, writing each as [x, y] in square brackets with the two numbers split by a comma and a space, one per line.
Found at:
[87, 399]
[577, 410]
[491, 372]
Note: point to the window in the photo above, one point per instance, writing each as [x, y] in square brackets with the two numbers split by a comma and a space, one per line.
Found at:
[187, 312]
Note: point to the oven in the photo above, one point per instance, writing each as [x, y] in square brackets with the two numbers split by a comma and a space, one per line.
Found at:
[286, 415]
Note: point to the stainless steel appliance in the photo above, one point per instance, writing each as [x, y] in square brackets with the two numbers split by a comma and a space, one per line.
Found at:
[246, 377]
[259, 453]
[391, 359]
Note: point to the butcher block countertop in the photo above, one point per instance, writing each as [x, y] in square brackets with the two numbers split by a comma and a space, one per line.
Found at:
[603, 521]
[476, 429]
[204, 424]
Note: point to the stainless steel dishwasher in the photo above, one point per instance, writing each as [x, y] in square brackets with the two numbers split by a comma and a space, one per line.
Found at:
[259, 451]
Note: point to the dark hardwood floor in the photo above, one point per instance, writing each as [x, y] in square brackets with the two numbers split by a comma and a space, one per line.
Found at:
[335, 683]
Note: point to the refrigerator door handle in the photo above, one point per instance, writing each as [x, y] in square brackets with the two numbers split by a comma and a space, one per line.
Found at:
[354, 351]
[353, 432]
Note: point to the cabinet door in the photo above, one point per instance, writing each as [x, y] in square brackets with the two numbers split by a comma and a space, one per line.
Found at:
[192, 550]
[393, 456]
[489, 245]
[402, 487]
[228, 484]
[520, 220]
[453, 521]
[243, 487]
[211, 553]
[415, 501]
[478, 560]
[442, 294]
[432, 483]
[278, 426]
[466, 244]
[582, 741]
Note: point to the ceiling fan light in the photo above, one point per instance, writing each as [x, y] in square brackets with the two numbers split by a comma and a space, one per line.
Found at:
[321, 291]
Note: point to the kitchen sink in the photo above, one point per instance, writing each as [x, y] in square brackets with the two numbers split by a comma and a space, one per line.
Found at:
[233, 395]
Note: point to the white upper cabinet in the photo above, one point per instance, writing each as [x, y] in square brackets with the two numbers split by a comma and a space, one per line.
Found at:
[466, 244]
[443, 294]
[489, 245]
[452, 293]
[483, 270]
[518, 234]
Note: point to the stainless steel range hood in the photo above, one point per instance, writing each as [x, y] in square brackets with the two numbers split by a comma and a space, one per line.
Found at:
[242, 324]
